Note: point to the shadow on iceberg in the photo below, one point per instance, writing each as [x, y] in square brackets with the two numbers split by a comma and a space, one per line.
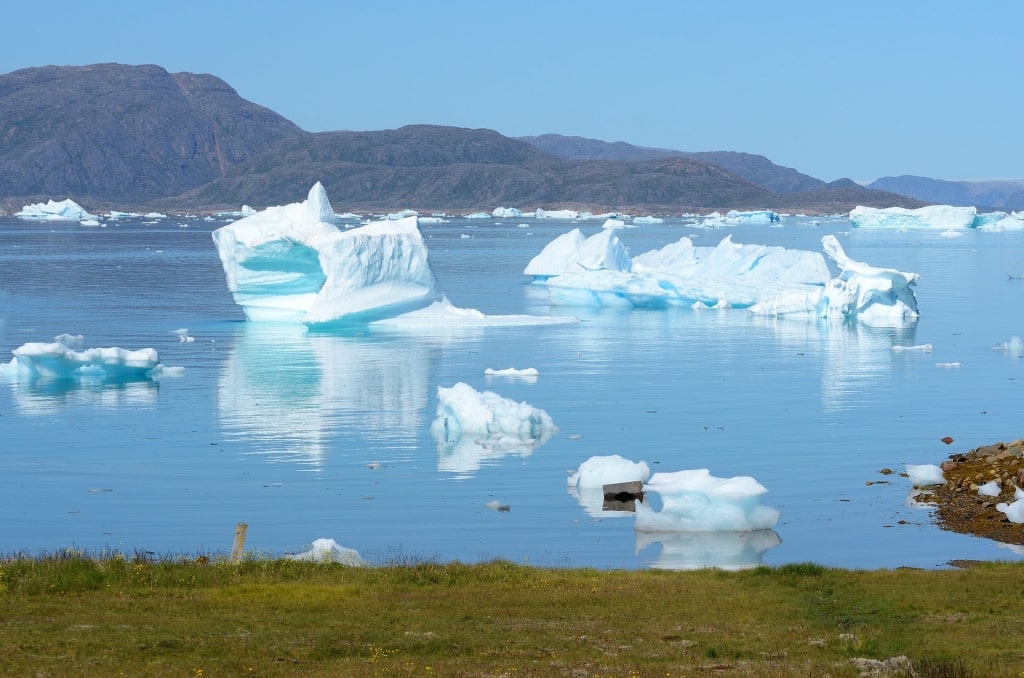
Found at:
[292, 264]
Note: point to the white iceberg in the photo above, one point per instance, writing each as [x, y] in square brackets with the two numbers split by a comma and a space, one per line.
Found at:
[59, 361]
[556, 214]
[648, 220]
[1000, 221]
[329, 551]
[773, 281]
[923, 475]
[941, 217]
[472, 428]
[696, 501]
[65, 210]
[751, 217]
[599, 471]
[292, 264]
[506, 213]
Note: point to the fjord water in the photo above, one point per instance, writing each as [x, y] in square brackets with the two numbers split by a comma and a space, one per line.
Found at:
[305, 435]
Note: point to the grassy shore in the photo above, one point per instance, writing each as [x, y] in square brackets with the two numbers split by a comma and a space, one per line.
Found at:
[69, 614]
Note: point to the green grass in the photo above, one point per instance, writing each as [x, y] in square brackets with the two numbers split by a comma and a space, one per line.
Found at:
[69, 614]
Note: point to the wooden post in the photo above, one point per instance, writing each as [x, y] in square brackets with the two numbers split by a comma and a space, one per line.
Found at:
[239, 545]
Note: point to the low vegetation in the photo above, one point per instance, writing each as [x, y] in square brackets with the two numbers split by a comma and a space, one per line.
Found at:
[73, 614]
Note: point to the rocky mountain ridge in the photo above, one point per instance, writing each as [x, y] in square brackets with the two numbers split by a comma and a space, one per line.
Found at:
[137, 137]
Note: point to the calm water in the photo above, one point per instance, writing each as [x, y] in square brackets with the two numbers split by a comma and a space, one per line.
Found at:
[305, 436]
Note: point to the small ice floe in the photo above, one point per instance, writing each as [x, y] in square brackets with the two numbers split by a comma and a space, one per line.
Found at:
[923, 348]
[1013, 347]
[922, 475]
[183, 335]
[527, 374]
[329, 551]
[990, 489]
[948, 366]
[1014, 510]
[696, 501]
[498, 506]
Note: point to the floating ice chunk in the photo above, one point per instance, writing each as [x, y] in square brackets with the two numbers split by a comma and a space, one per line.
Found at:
[55, 360]
[922, 475]
[648, 220]
[65, 210]
[751, 217]
[607, 470]
[1013, 347]
[948, 366]
[464, 411]
[89, 222]
[556, 214]
[478, 215]
[506, 213]
[696, 501]
[1000, 221]
[942, 217]
[871, 295]
[990, 489]
[526, 372]
[572, 252]
[923, 348]
[402, 214]
[612, 224]
[329, 551]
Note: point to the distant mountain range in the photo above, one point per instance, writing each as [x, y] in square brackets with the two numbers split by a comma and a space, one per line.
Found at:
[1006, 194]
[137, 137]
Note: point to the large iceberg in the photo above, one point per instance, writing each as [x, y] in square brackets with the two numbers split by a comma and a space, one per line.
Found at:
[767, 280]
[292, 264]
[65, 210]
[943, 217]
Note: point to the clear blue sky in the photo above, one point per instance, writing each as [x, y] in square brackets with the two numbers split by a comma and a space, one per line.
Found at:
[834, 89]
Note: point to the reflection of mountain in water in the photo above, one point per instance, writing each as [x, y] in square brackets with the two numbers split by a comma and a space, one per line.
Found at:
[695, 550]
[286, 391]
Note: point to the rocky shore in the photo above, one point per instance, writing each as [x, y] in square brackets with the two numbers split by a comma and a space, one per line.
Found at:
[959, 506]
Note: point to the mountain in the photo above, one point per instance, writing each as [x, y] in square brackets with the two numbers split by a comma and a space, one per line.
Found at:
[997, 195]
[124, 133]
[756, 169]
[115, 136]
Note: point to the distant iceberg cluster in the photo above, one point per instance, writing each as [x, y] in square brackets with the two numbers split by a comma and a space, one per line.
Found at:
[58, 360]
[292, 264]
[940, 217]
[774, 281]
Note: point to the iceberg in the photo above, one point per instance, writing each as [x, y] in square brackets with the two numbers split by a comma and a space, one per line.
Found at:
[752, 217]
[472, 426]
[1000, 221]
[506, 213]
[942, 217]
[766, 280]
[597, 472]
[59, 361]
[65, 210]
[292, 264]
[696, 501]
